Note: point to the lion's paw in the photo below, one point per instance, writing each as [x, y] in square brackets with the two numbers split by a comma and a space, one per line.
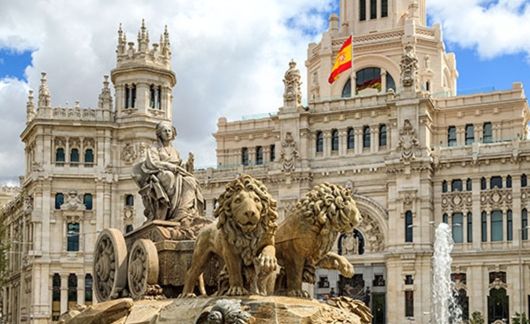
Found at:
[298, 293]
[346, 269]
[267, 263]
[237, 291]
[187, 295]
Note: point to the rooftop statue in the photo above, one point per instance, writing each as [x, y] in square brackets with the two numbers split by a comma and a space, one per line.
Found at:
[169, 191]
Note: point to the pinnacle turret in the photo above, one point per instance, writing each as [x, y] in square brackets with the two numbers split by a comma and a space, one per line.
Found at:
[105, 98]
[30, 107]
[44, 92]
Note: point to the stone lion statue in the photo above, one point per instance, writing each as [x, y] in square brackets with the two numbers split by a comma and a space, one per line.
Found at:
[243, 237]
[304, 240]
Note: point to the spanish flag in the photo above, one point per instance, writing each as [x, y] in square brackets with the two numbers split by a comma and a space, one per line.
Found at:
[343, 61]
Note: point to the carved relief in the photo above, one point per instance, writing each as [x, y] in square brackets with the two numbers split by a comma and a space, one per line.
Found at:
[374, 239]
[289, 153]
[60, 142]
[409, 67]
[457, 201]
[496, 198]
[408, 142]
[88, 143]
[74, 142]
[73, 202]
[128, 153]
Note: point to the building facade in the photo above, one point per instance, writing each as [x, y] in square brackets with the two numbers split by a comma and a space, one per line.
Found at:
[415, 154]
[78, 180]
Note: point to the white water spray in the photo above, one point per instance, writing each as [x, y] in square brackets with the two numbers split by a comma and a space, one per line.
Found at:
[445, 308]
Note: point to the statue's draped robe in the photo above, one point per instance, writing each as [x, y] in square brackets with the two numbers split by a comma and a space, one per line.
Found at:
[179, 190]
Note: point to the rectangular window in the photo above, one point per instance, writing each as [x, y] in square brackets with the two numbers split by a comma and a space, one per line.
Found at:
[524, 224]
[382, 135]
[408, 227]
[484, 223]
[384, 11]
[362, 10]
[469, 227]
[244, 156]
[273, 152]
[334, 140]
[456, 185]
[73, 237]
[509, 225]
[496, 226]
[451, 136]
[496, 182]
[351, 138]
[366, 137]
[409, 303]
[373, 9]
[487, 134]
[458, 227]
[319, 142]
[470, 134]
[259, 155]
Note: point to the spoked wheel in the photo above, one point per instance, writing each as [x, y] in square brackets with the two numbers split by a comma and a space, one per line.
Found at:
[143, 269]
[110, 265]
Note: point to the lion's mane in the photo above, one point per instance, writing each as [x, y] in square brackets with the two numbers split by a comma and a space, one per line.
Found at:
[247, 243]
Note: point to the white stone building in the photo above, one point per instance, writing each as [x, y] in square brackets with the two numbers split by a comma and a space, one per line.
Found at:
[415, 154]
[78, 180]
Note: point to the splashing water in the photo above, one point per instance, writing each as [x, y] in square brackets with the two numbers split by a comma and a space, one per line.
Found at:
[445, 308]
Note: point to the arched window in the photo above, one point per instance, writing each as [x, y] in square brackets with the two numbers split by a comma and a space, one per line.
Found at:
[346, 89]
[469, 227]
[408, 227]
[129, 200]
[498, 309]
[484, 226]
[334, 140]
[382, 135]
[72, 290]
[259, 155]
[87, 200]
[59, 155]
[469, 184]
[130, 95]
[351, 243]
[56, 296]
[152, 95]
[368, 78]
[496, 182]
[59, 200]
[366, 137]
[487, 136]
[451, 136]
[129, 228]
[445, 218]
[444, 186]
[463, 300]
[319, 142]
[524, 181]
[524, 224]
[470, 134]
[456, 185]
[483, 183]
[72, 235]
[74, 155]
[497, 227]
[88, 288]
[509, 225]
[509, 181]
[89, 156]
[457, 227]
[351, 138]
[244, 156]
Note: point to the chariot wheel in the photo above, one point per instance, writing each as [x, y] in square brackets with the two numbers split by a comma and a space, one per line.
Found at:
[143, 268]
[110, 265]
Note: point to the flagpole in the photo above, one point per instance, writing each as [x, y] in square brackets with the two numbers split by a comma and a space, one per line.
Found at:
[353, 77]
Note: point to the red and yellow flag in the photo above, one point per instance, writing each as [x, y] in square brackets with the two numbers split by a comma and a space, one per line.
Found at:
[343, 61]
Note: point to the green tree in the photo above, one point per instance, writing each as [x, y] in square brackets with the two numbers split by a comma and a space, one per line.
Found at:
[476, 318]
[520, 319]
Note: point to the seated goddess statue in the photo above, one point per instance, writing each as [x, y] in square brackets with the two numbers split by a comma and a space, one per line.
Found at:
[169, 191]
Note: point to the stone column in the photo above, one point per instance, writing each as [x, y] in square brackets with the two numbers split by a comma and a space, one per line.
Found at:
[383, 77]
[516, 211]
[477, 215]
[460, 135]
[327, 143]
[374, 138]
[64, 293]
[488, 221]
[358, 140]
[342, 141]
[478, 133]
[80, 289]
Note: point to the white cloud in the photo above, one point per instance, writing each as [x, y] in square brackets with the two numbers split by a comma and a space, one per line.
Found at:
[493, 28]
[229, 57]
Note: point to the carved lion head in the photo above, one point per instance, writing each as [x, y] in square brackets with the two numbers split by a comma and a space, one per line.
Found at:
[330, 205]
[247, 214]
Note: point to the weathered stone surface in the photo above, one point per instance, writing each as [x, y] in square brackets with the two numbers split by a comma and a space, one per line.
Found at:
[264, 310]
[107, 312]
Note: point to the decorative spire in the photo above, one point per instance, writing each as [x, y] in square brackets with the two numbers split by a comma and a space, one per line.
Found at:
[292, 96]
[44, 92]
[30, 107]
[105, 98]
[143, 38]
[165, 48]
